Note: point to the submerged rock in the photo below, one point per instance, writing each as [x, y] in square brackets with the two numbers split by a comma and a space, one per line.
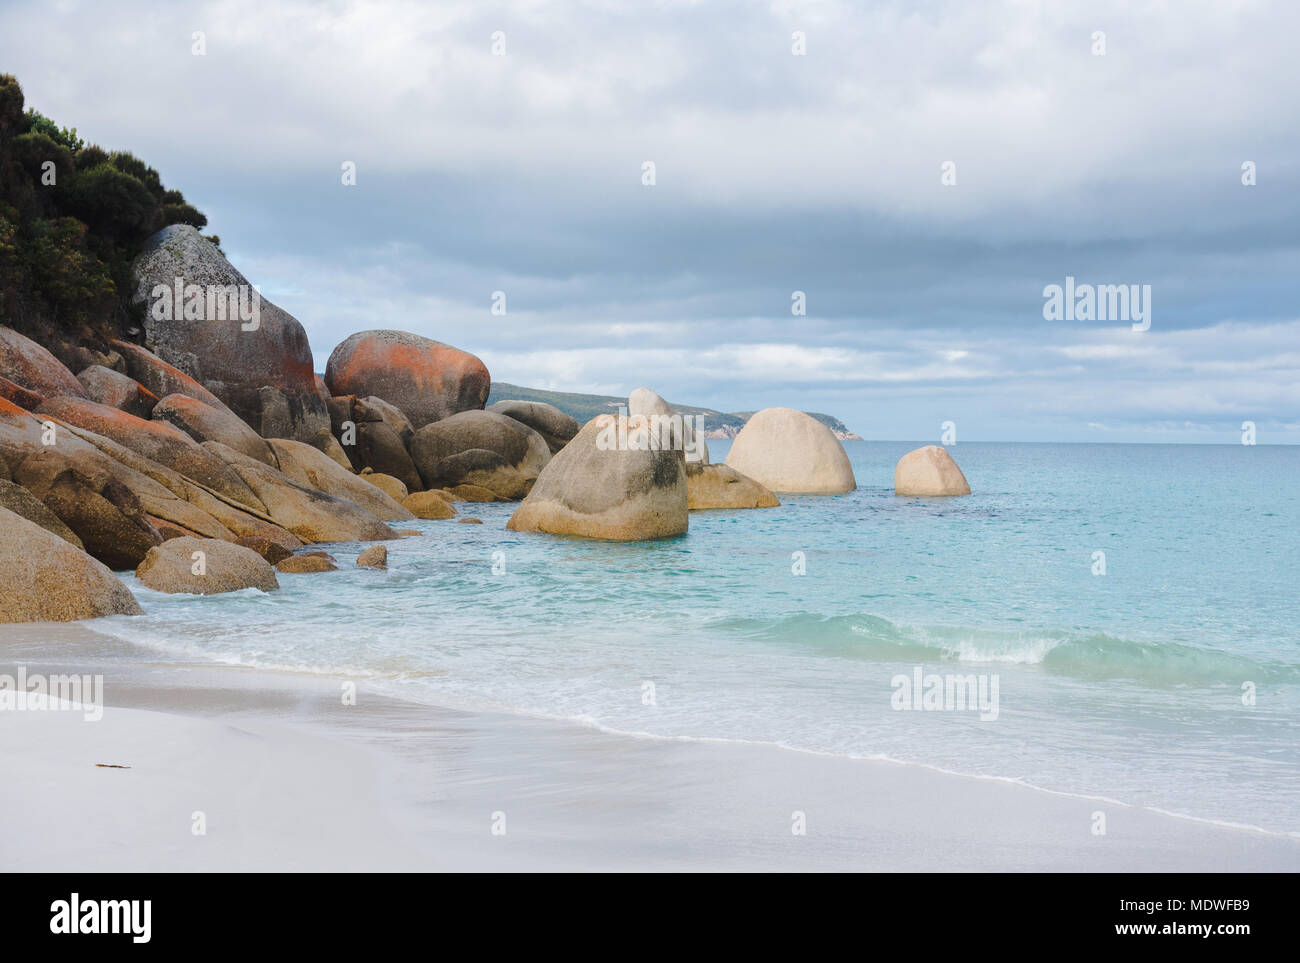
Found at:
[428, 505]
[306, 563]
[789, 451]
[721, 486]
[376, 556]
[595, 489]
[929, 471]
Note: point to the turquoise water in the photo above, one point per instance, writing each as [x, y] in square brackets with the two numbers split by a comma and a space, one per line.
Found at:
[1127, 685]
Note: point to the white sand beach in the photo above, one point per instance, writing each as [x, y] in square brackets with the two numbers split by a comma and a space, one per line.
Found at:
[288, 778]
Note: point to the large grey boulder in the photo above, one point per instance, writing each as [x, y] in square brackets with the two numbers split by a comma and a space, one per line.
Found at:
[264, 373]
[789, 451]
[480, 448]
[48, 580]
[597, 489]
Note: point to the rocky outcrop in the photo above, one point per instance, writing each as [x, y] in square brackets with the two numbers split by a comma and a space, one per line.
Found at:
[159, 442]
[556, 428]
[480, 448]
[205, 423]
[376, 556]
[109, 519]
[20, 501]
[721, 486]
[373, 434]
[166, 496]
[374, 408]
[28, 365]
[595, 489]
[312, 515]
[205, 566]
[788, 451]
[180, 500]
[261, 368]
[668, 426]
[48, 580]
[160, 378]
[19, 395]
[929, 471]
[108, 387]
[426, 379]
[311, 468]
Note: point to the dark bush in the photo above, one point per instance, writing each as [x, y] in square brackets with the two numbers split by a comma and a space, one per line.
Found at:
[66, 249]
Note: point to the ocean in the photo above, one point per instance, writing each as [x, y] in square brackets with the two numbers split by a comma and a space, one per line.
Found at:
[1164, 673]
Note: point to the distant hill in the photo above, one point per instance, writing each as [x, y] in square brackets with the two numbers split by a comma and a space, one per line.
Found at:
[717, 424]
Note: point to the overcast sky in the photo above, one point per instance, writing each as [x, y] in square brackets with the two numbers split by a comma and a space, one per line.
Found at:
[774, 173]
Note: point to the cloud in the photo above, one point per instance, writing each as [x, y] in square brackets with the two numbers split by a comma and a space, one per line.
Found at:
[775, 173]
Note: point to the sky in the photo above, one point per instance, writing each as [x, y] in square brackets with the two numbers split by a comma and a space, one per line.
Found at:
[1103, 141]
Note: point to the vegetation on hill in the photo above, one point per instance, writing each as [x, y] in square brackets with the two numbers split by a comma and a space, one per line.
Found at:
[72, 218]
[585, 407]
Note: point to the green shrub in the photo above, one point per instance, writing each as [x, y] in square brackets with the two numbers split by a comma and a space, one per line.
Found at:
[66, 249]
[39, 123]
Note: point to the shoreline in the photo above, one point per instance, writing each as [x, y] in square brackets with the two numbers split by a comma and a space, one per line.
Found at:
[290, 779]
